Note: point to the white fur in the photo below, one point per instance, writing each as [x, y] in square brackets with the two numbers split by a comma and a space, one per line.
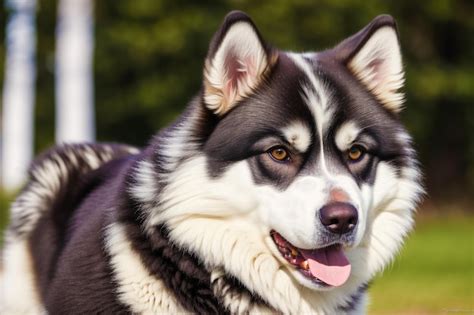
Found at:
[346, 134]
[326, 174]
[177, 143]
[18, 282]
[242, 43]
[137, 288]
[146, 189]
[230, 231]
[190, 191]
[293, 212]
[48, 177]
[18, 292]
[391, 204]
[387, 77]
[235, 301]
[318, 101]
[405, 140]
[237, 246]
[32, 204]
[298, 135]
[319, 106]
[226, 221]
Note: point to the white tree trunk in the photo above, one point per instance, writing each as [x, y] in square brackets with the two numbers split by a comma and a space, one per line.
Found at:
[75, 119]
[18, 93]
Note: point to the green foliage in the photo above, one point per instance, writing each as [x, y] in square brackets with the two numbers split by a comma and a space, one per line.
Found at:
[433, 274]
[5, 200]
[149, 56]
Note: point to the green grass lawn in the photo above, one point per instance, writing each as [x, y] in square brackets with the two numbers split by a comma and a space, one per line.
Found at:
[434, 274]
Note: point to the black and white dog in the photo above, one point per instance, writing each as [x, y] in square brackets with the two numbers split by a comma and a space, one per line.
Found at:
[285, 186]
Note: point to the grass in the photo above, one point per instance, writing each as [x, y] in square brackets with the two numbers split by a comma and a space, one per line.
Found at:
[434, 273]
[5, 200]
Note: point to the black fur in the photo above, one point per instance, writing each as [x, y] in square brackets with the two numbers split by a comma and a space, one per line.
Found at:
[72, 267]
[74, 274]
[354, 300]
[67, 245]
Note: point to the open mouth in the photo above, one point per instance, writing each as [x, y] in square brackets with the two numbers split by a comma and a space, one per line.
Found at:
[327, 266]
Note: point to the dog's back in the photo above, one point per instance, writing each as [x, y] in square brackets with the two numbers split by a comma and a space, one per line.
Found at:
[54, 230]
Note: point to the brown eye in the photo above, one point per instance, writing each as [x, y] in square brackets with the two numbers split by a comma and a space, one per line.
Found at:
[355, 153]
[279, 154]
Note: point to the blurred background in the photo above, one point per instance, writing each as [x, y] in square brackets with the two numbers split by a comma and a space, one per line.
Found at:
[123, 69]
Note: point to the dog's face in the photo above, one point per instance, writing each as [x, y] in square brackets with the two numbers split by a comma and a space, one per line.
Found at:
[319, 135]
[307, 148]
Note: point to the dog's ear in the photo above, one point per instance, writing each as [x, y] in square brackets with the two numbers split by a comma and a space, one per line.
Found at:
[236, 64]
[373, 56]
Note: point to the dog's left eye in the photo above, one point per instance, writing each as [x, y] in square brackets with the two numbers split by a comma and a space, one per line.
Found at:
[279, 154]
[356, 153]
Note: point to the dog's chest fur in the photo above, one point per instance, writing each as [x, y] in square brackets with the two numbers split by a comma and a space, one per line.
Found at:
[99, 252]
[188, 224]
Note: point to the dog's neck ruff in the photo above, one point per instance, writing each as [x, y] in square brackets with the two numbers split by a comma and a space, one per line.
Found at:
[229, 241]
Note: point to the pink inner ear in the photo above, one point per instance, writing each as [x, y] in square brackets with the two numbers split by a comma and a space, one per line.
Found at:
[378, 70]
[239, 74]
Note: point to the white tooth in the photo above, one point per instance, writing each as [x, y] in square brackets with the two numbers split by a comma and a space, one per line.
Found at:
[305, 265]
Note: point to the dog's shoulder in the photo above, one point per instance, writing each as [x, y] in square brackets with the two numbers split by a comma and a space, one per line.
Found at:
[60, 181]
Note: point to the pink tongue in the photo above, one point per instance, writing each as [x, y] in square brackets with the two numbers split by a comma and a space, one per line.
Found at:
[329, 265]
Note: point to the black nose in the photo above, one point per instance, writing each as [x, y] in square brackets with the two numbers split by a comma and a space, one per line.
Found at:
[338, 217]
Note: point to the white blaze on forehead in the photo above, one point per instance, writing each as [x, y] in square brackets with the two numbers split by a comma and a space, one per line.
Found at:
[346, 134]
[315, 94]
[317, 100]
[298, 135]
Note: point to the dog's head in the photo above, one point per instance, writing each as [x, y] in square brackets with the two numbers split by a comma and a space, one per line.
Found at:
[302, 156]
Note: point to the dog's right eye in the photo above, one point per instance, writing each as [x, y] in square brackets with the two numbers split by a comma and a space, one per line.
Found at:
[279, 154]
[356, 153]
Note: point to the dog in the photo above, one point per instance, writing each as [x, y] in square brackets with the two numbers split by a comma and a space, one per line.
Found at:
[285, 186]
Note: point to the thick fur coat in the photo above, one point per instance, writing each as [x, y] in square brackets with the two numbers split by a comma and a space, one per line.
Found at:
[280, 158]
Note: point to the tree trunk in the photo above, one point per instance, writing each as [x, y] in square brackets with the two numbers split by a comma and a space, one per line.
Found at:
[75, 119]
[18, 92]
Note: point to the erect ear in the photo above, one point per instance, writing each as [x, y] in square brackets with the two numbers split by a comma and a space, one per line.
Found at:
[236, 64]
[373, 56]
